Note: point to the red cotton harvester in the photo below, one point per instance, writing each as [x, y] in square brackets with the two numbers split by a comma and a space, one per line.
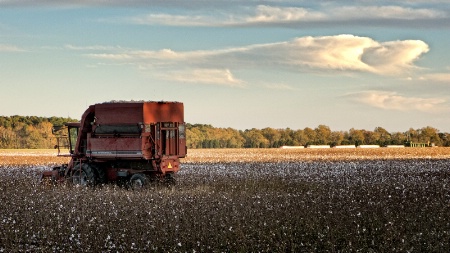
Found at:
[126, 142]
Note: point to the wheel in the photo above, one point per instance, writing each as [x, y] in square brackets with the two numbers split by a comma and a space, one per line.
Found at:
[138, 181]
[169, 180]
[84, 176]
[100, 174]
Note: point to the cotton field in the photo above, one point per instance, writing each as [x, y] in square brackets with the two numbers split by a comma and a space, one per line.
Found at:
[383, 200]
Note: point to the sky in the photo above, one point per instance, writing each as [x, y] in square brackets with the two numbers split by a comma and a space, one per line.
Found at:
[240, 64]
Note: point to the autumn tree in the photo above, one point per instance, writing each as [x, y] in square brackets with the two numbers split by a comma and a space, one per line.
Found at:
[430, 135]
[273, 136]
[370, 138]
[413, 135]
[398, 138]
[356, 136]
[336, 138]
[287, 137]
[323, 134]
[310, 135]
[255, 139]
[36, 132]
[300, 138]
[383, 136]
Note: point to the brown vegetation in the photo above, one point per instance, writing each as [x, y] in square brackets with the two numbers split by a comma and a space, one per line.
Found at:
[206, 136]
[32, 157]
[251, 200]
[20, 132]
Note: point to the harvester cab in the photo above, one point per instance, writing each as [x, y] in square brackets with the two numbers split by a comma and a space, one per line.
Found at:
[132, 142]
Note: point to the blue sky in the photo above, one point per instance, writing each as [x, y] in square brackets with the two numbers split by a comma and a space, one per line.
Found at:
[240, 64]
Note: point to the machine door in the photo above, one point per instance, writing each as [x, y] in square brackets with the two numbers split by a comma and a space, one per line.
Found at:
[168, 139]
[73, 135]
[172, 139]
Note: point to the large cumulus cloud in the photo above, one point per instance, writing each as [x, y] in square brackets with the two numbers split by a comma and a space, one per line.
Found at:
[335, 53]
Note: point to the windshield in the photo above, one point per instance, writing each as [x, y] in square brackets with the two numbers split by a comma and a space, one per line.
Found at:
[73, 134]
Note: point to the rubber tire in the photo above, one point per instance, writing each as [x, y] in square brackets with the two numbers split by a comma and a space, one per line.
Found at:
[138, 181]
[169, 180]
[100, 174]
[87, 177]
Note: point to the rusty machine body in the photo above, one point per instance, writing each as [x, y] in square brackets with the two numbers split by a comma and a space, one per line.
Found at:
[132, 142]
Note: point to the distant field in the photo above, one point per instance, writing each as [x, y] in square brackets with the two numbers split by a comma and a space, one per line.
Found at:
[49, 156]
[292, 155]
[43, 157]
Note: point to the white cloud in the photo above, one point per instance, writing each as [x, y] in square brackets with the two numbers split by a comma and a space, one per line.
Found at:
[437, 77]
[251, 13]
[325, 14]
[383, 12]
[10, 48]
[206, 76]
[338, 53]
[268, 14]
[394, 56]
[95, 47]
[394, 101]
[275, 14]
[175, 20]
[279, 86]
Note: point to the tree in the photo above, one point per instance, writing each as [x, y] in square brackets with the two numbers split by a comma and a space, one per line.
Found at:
[194, 137]
[255, 139]
[234, 138]
[370, 137]
[7, 137]
[356, 136]
[310, 135]
[384, 137]
[398, 138]
[323, 134]
[287, 137]
[300, 138]
[336, 138]
[272, 135]
[445, 139]
[35, 132]
[430, 135]
[412, 135]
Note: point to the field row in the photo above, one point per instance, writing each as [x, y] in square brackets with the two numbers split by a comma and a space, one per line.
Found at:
[48, 157]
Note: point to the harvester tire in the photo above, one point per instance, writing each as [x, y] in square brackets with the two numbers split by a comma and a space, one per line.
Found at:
[169, 180]
[85, 176]
[138, 181]
[100, 174]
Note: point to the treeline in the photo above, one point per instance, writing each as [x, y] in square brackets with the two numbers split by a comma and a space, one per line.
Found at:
[22, 132]
[207, 136]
